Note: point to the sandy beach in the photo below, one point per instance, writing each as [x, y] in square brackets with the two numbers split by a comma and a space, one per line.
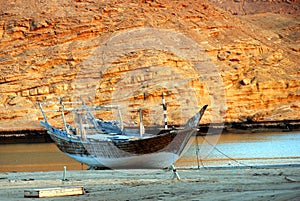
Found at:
[272, 183]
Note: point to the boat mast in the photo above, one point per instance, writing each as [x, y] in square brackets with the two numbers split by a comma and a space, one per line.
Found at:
[121, 120]
[81, 128]
[63, 114]
[142, 128]
[43, 113]
[165, 111]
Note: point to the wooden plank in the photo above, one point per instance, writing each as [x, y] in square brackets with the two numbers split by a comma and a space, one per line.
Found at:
[53, 192]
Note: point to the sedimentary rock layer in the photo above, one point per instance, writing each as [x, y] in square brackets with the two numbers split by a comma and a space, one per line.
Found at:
[130, 52]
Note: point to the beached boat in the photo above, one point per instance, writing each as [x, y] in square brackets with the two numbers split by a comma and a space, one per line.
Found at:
[98, 143]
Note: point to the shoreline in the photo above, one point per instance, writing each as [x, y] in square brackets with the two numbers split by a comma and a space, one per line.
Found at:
[39, 135]
[29, 135]
[259, 183]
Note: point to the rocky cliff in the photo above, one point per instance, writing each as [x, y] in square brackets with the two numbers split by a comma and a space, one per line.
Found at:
[246, 67]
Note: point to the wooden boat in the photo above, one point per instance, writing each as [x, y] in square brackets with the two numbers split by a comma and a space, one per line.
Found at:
[108, 144]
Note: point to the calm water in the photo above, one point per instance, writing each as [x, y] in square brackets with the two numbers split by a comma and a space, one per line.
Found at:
[245, 150]
[230, 150]
[35, 157]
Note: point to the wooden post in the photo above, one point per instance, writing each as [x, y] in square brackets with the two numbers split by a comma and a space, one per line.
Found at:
[64, 174]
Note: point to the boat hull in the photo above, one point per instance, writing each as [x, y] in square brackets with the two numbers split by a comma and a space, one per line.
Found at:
[156, 152]
[149, 161]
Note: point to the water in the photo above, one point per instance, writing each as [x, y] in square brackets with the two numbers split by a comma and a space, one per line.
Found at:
[230, 150]
[246, 150]
[35, 157]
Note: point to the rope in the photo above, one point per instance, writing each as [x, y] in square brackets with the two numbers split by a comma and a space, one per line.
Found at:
[197, 154]
[241, 163]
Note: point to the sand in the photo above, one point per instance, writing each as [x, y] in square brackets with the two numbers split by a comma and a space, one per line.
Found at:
[273, 183]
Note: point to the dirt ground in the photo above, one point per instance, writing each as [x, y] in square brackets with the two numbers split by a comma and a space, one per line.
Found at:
[272, 183]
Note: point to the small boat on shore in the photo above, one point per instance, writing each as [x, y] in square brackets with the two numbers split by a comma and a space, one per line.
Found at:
[99, 143]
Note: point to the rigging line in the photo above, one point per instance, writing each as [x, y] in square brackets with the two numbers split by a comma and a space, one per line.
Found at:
[197, 155]
[197, 152]
[241, 163]
[203, 164]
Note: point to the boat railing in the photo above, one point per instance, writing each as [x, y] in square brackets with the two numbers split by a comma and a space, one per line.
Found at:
[81, 110]
[84, 111]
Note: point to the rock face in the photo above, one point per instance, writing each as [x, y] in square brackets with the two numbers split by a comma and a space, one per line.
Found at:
[130, 52]
[246, 7]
